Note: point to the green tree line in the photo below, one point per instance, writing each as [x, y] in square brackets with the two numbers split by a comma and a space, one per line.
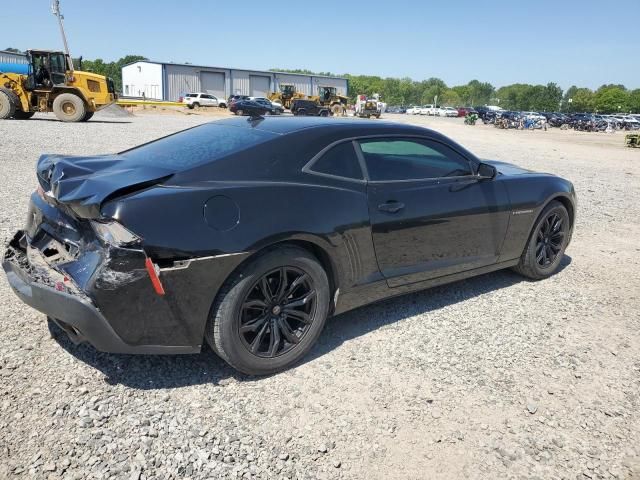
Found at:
[519, 96]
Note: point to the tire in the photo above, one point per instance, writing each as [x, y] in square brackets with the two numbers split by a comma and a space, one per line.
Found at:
[240, 112]
[20, 115]
[87, 116]
[8, 104]
[195, 105]
[222, 105]
[542, 241]
[190, 106]
[230, 312]
[301, 112]
[69, 108]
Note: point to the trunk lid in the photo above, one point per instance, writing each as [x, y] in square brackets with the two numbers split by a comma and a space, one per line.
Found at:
[84, 183]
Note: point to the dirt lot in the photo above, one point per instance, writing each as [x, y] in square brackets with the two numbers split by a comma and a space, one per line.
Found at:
[495, 377]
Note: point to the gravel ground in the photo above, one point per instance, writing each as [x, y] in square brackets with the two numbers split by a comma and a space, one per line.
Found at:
[493, 377]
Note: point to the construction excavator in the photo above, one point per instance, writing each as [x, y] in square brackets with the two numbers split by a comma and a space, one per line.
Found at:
[50, 83]
[328, 97]
[286, 95]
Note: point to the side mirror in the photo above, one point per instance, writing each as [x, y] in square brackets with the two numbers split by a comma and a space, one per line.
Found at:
[486, 171]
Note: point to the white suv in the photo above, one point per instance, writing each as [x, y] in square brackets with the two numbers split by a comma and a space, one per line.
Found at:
[196, 100]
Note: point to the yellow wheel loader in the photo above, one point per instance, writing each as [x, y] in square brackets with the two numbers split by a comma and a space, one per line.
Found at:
[328, 97]
[286, 95]
[50, 84]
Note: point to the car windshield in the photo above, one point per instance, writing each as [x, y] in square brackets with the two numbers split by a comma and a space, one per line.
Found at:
[195, 146]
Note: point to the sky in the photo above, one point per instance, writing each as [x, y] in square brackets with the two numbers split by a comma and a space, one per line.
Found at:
[587, 43]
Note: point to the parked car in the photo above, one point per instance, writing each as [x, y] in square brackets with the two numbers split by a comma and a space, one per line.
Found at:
[249, 107]
[274, 108]
[396, 109]
[197, 100]
[415, 110]
[464, 111]
[556, 119]
[428, 109]
[308, 108]
[631, 123]
[164, 246]
[534, 116]
[235, 98]
[447, 112]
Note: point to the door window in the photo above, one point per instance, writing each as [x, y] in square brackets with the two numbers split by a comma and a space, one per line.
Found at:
[411, 159]
[340, 161]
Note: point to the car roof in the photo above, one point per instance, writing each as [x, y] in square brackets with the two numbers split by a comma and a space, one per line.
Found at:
[286, 125]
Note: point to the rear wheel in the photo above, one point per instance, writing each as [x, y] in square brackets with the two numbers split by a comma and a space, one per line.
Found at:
[240, 112]
[337, 109]
[195, 105]
[270, 313]
[301, 112]
[69, 107]
[547, 243]
[8, 104]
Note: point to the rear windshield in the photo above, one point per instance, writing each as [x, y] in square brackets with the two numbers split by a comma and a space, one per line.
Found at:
[196, 146]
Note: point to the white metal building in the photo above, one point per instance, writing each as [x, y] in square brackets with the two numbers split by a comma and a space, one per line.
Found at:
[170, 81]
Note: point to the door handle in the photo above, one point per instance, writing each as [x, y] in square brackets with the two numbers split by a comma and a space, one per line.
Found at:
[391, 207]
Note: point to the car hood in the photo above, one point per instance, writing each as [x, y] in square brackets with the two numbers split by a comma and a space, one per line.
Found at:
[508, 168]
[84, 183]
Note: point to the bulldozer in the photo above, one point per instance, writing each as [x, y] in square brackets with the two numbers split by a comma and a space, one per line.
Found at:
[51, 84]
[286, 95]
[328, 97]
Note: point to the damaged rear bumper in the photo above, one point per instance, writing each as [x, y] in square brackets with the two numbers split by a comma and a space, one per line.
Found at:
[55, 295]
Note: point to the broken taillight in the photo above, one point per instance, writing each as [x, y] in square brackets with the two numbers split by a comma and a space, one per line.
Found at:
[154, 275]
[114, 233]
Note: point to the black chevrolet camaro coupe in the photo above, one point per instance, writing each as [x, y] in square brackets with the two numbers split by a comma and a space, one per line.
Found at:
[250, 232]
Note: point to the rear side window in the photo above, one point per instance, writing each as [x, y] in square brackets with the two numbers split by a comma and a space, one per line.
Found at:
[196, 146]
[340, 161]
[191, 95]
[411, 159]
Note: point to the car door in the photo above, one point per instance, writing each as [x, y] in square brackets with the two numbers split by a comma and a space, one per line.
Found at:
[430, 214]
[206, 100]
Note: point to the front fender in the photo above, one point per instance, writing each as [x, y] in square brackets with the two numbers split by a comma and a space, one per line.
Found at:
[528, 195]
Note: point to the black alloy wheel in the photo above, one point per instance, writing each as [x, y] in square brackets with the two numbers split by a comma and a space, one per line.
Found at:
[278, 312]
[549, 241]
[269, 314]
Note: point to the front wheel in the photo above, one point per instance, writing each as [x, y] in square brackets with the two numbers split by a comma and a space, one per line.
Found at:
[269, 314]
[547, 243]
[69, 107]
